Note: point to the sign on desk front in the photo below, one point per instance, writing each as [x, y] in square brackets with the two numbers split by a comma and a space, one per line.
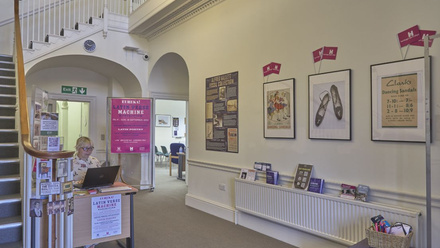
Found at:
[106, 216]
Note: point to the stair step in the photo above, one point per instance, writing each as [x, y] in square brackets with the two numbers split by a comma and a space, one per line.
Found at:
[96, 20]
[10, 222]
[4, 57]
[10, 167]
[10, 205]
[8, 135]
[67, 32]
[7, 110]
[18, 244]
[9, 151]
[11, 178]
[7, 65]
[37, 45]
[7, 80]
[9, 160]
[10, 230]
[7, 72]
[8, 99]
[9, 185]
[52, 38]
[10, 198]
[8, 89]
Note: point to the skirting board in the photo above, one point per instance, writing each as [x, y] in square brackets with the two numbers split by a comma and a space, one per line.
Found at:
[210, 207]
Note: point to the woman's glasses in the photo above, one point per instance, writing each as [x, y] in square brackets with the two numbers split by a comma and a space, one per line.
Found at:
[88, 149]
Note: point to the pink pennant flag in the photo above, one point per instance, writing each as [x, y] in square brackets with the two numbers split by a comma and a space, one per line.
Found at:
[409, 36]
[329, 53]
[271, 68]
[317, 55]
[424, 33]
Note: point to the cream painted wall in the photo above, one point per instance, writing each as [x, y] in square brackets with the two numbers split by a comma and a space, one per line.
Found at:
[245, 35]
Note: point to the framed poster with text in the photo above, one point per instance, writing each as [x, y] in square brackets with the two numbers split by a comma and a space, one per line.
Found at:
[130, 120]
[398, 101]
[221, 113]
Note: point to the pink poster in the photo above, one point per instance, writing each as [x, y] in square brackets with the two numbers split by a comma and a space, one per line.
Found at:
[130, 125]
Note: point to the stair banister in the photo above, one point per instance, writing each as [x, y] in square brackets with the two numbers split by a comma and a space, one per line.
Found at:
[22, 99]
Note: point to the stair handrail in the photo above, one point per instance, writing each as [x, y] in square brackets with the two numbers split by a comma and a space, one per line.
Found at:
[22, 99]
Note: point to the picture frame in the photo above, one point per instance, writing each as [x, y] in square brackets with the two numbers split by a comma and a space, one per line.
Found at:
[163, 120]
[279, 109]
[330, 105]
[398, 101]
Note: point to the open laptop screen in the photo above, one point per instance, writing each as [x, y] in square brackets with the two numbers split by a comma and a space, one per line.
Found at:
[100, 177]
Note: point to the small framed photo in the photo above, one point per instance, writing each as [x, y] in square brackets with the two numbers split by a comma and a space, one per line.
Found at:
[163, 120]
[279, 109]
[398, 101]
[36, 207]
[330, 105]
[67, 187]
[62, 167]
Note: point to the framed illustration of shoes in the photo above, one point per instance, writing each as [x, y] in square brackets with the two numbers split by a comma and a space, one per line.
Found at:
[279, 109]
[330, 105]
[398, 101]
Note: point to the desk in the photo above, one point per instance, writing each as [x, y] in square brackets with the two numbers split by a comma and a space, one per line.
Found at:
[82, 217]
[182, 159]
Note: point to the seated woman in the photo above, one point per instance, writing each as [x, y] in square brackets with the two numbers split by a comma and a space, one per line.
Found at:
[82, 159]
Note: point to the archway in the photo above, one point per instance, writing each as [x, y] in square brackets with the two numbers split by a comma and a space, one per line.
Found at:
[169, 86]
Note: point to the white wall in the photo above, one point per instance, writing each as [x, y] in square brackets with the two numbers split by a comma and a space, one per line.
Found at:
[243, 36]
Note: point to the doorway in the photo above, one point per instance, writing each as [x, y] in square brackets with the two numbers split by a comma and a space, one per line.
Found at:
[170, 127]
[73, 121]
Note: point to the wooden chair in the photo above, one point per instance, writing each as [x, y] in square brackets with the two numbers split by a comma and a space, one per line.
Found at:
[174, 157]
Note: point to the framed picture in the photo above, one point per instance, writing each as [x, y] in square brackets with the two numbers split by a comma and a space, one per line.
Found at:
[330, 105]
[279, 109]
[398, 101]
[163, 120]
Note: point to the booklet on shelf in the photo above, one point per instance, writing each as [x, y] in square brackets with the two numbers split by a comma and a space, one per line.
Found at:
[362, 192]
[316, 185]
[262, 166]
[348, 191]
[272, 177]
[302, 176]
[248, 174]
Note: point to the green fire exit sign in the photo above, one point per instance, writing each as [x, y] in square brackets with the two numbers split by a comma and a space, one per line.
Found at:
[73, 90]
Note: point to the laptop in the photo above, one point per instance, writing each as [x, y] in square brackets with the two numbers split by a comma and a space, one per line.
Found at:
[99, 177]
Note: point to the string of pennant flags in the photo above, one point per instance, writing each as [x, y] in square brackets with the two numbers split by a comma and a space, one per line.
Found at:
[412, 36]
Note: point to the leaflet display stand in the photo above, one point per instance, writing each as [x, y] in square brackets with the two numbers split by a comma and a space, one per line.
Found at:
[428, 138]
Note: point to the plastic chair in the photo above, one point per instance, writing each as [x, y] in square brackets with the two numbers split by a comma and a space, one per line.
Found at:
[158, 154]
[165, 151]
[174, 149]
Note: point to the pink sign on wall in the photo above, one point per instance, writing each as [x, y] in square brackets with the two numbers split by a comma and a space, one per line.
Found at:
[130, 125]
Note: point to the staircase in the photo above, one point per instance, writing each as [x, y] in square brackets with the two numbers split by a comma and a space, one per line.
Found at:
[10, 183]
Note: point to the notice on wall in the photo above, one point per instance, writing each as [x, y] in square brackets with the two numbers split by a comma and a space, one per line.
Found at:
[49, 124]
[106, 216]
[399, 101]
[221, 113]
[130, 125]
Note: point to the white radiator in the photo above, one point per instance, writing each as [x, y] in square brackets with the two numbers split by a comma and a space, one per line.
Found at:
[340, 220]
